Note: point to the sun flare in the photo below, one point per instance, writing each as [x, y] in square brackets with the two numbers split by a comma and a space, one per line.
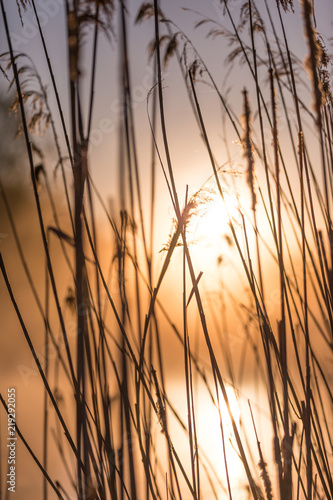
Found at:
[213, 218]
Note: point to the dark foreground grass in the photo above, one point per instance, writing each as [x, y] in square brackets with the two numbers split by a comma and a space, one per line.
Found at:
[120, 440]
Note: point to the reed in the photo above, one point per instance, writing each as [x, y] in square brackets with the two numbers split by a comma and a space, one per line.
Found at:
[117, 436]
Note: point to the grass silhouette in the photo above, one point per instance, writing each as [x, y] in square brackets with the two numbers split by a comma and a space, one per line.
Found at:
[118, 437]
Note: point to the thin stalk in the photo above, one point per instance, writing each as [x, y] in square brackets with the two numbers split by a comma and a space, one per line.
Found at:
[34, 354]
[250, 156]
[40, 466]
[93, 73]
[80, 169]
[286, 490]
[35, 190]
[46, 357]
[186, 362]
[29, 277]
[49, 65]
[307, 419]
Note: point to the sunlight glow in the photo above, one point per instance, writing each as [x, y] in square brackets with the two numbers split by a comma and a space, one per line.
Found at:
[211, 437]
[213, 218]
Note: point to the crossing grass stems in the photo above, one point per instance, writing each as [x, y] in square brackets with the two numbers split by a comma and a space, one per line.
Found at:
[116, 448]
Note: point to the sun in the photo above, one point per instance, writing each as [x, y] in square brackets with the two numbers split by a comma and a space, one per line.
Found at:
[213, 217]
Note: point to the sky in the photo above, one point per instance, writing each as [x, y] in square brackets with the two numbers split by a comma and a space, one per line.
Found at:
[185, 144]
[214, 52]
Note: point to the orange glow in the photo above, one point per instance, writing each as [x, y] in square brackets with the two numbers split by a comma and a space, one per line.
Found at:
[213, 218]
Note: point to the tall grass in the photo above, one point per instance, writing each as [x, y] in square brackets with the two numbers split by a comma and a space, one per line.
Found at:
[118, 436]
